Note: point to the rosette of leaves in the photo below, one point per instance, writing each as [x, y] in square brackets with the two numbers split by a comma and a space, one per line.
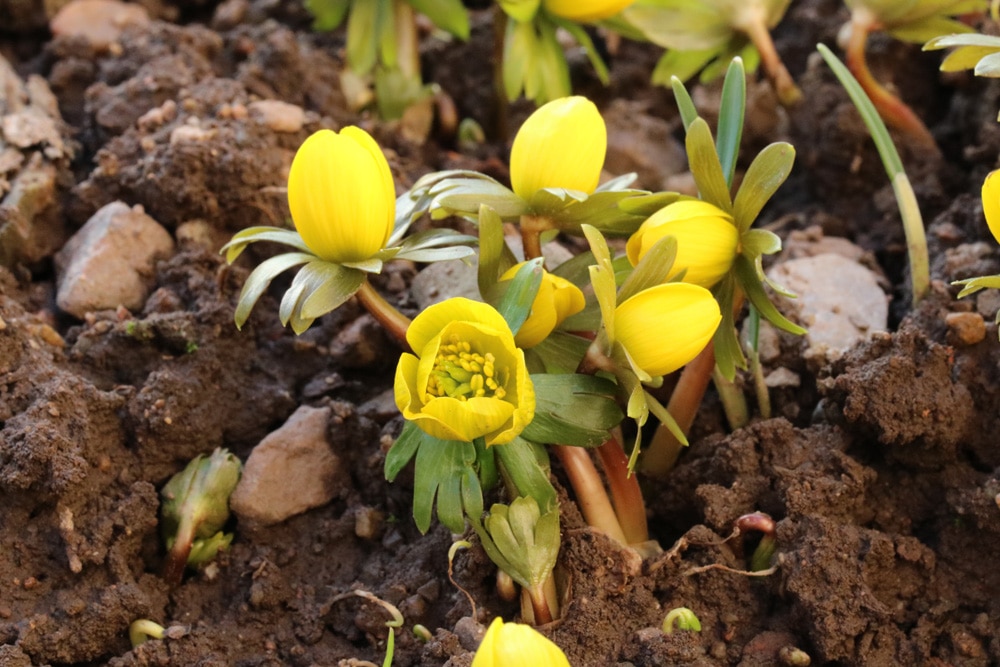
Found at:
[321, 285]
[382, 43]
[913, 21]
[705, 35]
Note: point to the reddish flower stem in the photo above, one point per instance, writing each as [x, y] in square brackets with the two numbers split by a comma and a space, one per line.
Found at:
[626, 496]
[394, 321]
[590, 494]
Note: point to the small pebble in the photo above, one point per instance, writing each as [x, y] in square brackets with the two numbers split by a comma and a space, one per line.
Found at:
[965, 328]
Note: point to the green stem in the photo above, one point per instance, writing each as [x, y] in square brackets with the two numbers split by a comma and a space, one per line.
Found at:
[734, 403]
[891, 108]
[385, 313]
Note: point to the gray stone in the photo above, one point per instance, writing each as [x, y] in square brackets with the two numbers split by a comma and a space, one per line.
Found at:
[291, 471]
[839, 301]
[110, 261]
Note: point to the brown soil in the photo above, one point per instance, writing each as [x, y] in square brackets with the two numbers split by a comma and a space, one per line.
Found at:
[883, 473]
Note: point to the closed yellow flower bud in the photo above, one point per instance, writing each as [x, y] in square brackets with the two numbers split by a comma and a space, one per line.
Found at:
[707, 240]
[556, 300]
[467, 379]
[991, 202]
[561, 145]
[341, 195]
[517, 645]
[664, 327]
[585, 10]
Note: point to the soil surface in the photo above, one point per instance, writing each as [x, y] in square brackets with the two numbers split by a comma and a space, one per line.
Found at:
[880, 467]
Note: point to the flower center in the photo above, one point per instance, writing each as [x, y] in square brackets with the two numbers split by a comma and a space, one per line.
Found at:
[462, 373]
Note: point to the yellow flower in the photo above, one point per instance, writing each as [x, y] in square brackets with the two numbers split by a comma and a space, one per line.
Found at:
[561, 145]
[664, 327]
[556, 300]
[706, 237]
[517, 645]
[991, 202]
[585, 10]
[341, 195]
[468, 379]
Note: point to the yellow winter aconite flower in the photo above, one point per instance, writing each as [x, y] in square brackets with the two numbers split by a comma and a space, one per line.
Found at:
[556, 300]
[517, 645]
[341, 195]
[468, 379]
[664, 327]
[561, 145]
[706, 235]
[991, 202]
[585, 10]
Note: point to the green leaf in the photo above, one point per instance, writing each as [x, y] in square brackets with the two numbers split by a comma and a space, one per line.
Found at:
[440, 471]
[561, 352]
[765, 175]
[681, 65]
[602, 278]
[644, 206]
[685, 105]
[515, 304]
[748, 280]
[705, 166]
[918, 32]
[259, 279]
[486, 461]
[966, 39]
[362, 28]
[973, 285]
[573, 409]
[599, 210]
[327, 14]
[449, 15]
[336, 285]
[552, 68]
[731, 113]
[728, 353]
[494, 255]
[518, 47]
[526, 464]
[386, 30]
[583, 39]
[243, 238]
[989, 66]
[652, 269]
[403, 450]
[757, 242]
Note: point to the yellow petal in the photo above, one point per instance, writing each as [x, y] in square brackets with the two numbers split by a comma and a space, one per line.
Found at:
[707, 240]
[524, 401]
[468, 420]
[517, 645]
[585, 10]
[557, 299]
[561, 145]
[991, 202]
[341, 195]
[666, 326]
[435, 318]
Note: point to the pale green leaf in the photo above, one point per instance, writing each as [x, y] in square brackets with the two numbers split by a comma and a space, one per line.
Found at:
[731, 112]
[449, 15]
[765, 175]
[336, 284]
[652, 269]
[243, 238]
[573, 409]
[259, 279]
[705, 166]
[526, 465]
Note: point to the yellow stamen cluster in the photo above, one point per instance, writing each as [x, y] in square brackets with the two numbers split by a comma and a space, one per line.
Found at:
[460, 372]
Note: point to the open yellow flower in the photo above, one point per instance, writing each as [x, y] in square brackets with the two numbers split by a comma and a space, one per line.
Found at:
[341, 195]
[991, 202]
[468, 379]
[517, 645]
[664, 327]
[706, 235]
[585, 10]
[556, 300]
[561, 145]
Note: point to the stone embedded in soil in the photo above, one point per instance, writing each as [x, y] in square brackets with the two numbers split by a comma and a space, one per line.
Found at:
[839, 301]
[100, 22]
[278, 116]
[965, 328]
[110, 261]
[291, 471]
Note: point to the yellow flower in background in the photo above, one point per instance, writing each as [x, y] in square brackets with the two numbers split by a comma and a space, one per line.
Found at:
[664, 327]
[468, 379]
[706, 235]
[517, 645]
[341, 195]
[556, 300]
[561, 145]
[991, 202]
[585, 10]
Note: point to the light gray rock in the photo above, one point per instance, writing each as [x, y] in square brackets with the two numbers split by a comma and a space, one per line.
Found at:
[839, 301]
[291, 471]
[110, 261]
